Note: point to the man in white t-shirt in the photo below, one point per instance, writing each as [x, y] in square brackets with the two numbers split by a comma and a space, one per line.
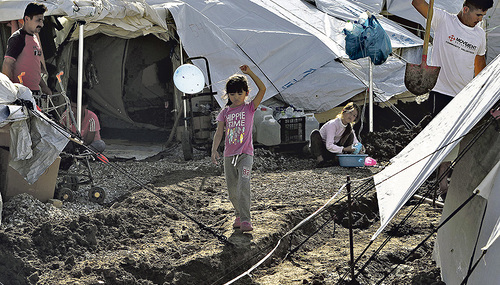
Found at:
[459, 47]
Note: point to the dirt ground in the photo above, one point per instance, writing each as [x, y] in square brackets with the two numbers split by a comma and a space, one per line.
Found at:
[177, 228]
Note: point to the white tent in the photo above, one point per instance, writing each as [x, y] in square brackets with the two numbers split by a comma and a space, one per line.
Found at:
[462, 241]
[413, 165]
[296, 48]
[397, 183]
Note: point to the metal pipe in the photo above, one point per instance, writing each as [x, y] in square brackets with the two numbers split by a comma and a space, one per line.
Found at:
[371, 95]
[351, 238]
[80, 79]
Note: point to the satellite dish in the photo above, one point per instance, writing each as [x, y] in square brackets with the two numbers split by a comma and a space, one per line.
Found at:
[189, 79]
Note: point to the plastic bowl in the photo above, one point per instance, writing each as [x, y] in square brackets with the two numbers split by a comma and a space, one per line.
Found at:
[352, 160]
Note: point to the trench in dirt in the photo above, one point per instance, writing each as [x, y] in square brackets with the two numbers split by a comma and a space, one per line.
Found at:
[244, 250]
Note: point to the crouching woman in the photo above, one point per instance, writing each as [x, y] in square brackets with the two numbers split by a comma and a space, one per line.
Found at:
[336, 136]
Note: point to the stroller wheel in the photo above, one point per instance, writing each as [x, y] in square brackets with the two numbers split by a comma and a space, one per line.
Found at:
[97, 195]
[65, 194]
[71, 182]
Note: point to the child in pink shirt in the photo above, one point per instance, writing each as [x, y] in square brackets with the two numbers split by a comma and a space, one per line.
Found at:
[236, 122]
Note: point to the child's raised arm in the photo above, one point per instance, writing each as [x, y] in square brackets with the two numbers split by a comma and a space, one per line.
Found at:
[262, 88]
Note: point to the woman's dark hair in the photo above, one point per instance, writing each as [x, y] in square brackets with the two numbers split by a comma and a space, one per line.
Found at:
[235, 83]
[34, 9]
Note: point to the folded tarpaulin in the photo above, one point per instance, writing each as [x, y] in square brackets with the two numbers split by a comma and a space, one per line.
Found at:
[35, 143]
[47, 142]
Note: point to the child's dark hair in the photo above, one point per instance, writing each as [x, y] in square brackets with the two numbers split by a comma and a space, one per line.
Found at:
[351, 106]
[34, 9]
[235, 83]
[72, 93]
[479, 4]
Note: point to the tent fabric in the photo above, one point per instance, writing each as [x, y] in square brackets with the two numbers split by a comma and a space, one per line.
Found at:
[490, 183]
[230, 33]
[348, 10]
[456, 240]
[493, 237]
[397, 183]
[277, 37]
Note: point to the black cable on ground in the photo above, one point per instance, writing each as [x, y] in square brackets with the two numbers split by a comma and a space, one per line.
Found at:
[292, 251]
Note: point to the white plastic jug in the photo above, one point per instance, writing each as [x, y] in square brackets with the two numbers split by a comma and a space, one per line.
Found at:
[258, 117]
[269, 131]
[311, 125]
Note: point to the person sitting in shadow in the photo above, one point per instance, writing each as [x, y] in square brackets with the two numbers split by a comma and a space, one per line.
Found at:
[90, 129]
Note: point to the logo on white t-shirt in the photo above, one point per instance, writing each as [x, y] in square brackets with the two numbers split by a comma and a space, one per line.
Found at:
[462, 44]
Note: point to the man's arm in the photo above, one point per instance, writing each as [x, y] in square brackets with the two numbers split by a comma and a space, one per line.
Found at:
[44, 87]
[89, 138]
[8, 67]
[421, 6]
[479, 64]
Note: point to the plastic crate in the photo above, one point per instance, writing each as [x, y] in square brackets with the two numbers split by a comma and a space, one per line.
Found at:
[293, 129]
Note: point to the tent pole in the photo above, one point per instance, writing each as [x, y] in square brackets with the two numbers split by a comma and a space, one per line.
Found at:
[370, 118]
[80, 78]
[184, 100]
[351, 238]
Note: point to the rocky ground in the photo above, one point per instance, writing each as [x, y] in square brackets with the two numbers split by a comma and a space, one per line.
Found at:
[167, 221]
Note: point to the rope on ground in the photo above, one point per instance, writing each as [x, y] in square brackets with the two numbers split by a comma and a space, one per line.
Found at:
[365, 187]
[285, 235]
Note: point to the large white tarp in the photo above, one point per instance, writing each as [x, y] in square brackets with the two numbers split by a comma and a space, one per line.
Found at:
[348, 10]
[397, 183]
[490, 183]
[460, 242]
[293, 47]
[296, 49]
[128, 18]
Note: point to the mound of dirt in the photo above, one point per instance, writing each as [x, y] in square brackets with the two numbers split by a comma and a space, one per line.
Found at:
[176, 228]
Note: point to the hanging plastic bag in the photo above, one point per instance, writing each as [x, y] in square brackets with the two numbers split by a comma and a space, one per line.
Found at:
[367, 38]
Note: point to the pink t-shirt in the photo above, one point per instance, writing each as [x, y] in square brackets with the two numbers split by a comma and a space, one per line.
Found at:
[331, 132]
[90, 123]
[25, 49]
[238, 123]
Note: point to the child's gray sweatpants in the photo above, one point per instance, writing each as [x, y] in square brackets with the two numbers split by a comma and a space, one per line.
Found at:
[238, 170]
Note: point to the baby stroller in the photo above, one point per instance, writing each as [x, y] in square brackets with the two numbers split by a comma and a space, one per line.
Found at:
[80, 174]
[69, 178]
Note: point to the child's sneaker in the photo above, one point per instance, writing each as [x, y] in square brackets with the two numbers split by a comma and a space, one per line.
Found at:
[246, 226]
[237, 223]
